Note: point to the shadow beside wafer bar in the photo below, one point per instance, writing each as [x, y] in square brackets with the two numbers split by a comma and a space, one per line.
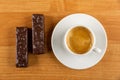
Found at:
[30, 49]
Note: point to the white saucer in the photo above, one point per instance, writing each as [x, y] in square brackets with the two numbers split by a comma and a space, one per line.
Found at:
[74, 61]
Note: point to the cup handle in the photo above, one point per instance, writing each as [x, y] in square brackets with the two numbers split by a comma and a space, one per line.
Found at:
[97, 50]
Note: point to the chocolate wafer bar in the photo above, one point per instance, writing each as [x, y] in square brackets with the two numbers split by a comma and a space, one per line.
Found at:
[38, 33]
[22, 47]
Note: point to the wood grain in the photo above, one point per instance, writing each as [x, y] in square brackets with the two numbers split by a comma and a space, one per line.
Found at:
[46, 67]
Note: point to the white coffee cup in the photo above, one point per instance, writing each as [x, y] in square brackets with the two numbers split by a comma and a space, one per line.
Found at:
[93, 48]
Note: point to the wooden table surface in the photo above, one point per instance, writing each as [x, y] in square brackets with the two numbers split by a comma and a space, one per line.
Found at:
[15, 13]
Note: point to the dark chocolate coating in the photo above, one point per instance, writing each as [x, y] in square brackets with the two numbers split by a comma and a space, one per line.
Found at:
[38, 33]
[22, 47]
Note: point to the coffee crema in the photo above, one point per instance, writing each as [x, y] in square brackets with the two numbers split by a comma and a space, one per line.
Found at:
[79, 40]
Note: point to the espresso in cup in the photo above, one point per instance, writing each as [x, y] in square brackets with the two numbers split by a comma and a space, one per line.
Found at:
[79, 40]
